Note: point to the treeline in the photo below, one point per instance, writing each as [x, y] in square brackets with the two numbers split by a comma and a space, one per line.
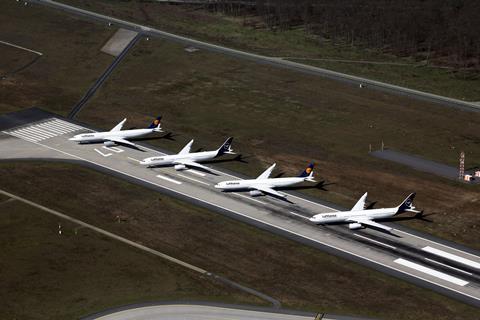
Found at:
[447, 30]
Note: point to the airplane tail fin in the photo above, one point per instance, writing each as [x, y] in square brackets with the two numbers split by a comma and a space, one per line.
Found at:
[226, 147]
[407, 204]
[155, 124]
[308, 172]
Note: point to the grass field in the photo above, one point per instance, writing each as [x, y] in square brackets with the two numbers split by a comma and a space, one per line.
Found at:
[70, 63]
[288, 118]
[46, 275]
[190, 21]
[299, 276]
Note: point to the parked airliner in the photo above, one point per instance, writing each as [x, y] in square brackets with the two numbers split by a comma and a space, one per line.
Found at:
[265, 185]
[185, 159]
[117, 135]
[358, 217]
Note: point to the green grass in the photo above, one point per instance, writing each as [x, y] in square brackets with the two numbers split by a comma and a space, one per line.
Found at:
[46, 275]
[70, 63]
[284, 117]
[231, 32]
[300, 277]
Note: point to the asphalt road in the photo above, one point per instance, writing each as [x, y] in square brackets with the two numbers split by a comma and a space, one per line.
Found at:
[424, 260]
[277, 62]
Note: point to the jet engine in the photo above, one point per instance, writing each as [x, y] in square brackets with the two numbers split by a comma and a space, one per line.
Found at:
[255, 193]
[355, 226]
[180, 167]
[109, 143]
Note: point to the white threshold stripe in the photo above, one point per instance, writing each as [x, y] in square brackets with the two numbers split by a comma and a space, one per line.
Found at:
[23, 138]
[453, 257]
[168, 179]
[431, 272]
[361, 257]
[198, 173]
[54, 126]
[299, 215]
[52, 129]
[49, 130]
[248, 197]
[66, 124]
[446, 265]
[31, 132]
[190, 178]
[375, 241]
[44, 132]
[22, 134]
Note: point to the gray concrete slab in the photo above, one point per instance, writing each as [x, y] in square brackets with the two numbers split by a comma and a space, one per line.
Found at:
[446, 269]
[118, 42]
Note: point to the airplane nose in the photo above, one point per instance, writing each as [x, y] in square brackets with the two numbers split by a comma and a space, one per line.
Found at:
[217, 186]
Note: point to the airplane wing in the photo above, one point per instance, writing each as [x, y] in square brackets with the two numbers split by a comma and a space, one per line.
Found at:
[268, 190]
[190, 163]
[369, 222]
[266, 174]
[121, 141]
[187, 148]
[360, 205]
[119, 126]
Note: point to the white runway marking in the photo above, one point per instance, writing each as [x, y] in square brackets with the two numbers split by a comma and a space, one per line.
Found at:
[189, 178]
[168, 179]
[198, 173]
[134, 159]
[453, 257]
[299, 215]
[249, 198]
[445, 265]
[374, 241]
[431, 272]
[355, 254]
[44, 130]
[103, 154]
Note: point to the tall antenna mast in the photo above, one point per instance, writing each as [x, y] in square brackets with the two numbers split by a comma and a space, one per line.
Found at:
[461, 170]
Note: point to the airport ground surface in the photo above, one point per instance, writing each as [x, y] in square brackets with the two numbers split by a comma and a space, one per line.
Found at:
[446, 268]
[174, 311]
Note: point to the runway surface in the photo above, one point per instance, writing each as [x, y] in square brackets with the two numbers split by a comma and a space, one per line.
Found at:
[274, 61]
[444, 267]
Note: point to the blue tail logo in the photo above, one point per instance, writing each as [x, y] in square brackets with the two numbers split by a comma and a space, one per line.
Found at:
[308, 171]
[226, 147]
[155, 123]
[407, 204]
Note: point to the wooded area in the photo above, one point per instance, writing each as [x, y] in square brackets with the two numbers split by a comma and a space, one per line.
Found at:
[446, 31]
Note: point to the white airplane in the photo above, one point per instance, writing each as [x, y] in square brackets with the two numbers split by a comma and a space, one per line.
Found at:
[264, 184]
[358, 217]
[185, 159]
[117, 135]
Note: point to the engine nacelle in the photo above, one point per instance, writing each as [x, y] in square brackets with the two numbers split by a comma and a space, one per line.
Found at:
[355, 226]
[255, 193]
[109, 143]
[180, 167]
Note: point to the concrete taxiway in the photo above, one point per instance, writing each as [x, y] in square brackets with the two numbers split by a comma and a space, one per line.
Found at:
[444, 267]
